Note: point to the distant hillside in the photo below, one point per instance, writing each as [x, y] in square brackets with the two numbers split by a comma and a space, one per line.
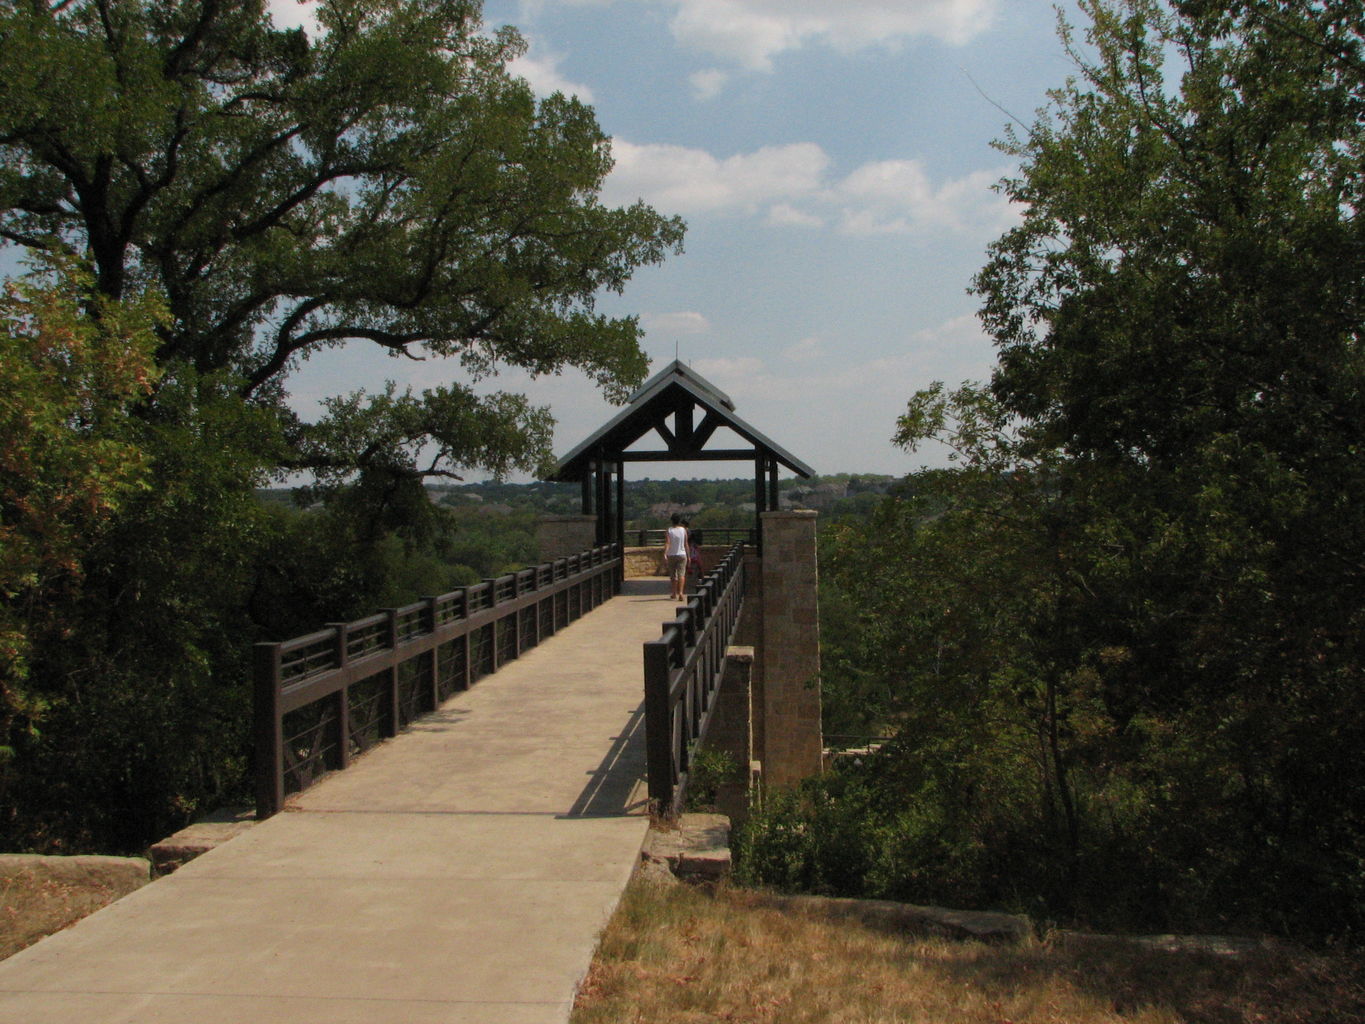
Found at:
[649, 503]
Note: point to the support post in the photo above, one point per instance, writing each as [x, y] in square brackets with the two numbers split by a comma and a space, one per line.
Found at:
[434, 666]
[791, 649]
[760, 502]
[269, 730]
[391, 721]
[619, 534]
[658, 725]
[341, 656]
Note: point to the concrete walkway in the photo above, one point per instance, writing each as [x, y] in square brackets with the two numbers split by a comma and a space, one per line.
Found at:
[459, 873]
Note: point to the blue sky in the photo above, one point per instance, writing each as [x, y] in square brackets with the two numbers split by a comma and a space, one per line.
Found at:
[833, 162]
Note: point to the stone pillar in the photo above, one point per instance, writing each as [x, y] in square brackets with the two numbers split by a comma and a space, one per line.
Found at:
[730, 732]
[791, 737]
[749, 633]
[565, 535]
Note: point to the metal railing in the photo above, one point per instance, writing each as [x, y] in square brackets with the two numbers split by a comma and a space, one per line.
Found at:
[683, 670]
[707, 535]
[324, 698]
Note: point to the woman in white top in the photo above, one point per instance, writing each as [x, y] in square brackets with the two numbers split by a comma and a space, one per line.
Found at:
[675, 554]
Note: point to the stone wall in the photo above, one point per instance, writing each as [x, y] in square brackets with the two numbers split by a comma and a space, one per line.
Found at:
[649, 561]
[731, 732]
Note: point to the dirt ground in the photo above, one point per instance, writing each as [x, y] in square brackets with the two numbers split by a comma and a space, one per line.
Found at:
[35, 902]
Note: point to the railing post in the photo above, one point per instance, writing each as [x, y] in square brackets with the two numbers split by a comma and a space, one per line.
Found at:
[391, 719]
[658, 725]
[434, 676]
[269, 730]
[342, 655]
[492, 585]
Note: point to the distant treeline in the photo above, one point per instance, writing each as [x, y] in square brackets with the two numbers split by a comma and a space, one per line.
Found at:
[725, 503]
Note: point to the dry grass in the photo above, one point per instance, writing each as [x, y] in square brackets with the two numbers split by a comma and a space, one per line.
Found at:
[674, 955]
[32, 906]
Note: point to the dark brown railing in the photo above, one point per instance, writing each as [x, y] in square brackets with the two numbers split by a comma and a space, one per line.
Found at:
[706, 535]
[682, 674]
[322, 699]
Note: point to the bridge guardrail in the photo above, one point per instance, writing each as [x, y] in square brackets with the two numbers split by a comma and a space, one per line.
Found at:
[323, 698]
[702, 535]
[682, 674]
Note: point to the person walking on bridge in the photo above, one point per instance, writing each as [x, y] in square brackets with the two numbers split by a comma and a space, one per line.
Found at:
[675, 554]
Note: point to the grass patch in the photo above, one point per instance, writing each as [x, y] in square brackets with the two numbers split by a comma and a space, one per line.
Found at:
[33, 906]
[677, 955]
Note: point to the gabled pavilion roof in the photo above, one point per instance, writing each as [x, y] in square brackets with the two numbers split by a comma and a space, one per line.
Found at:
[678, 392]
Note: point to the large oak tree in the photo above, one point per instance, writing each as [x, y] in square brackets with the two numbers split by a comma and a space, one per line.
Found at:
[387, 182]
[383, 182]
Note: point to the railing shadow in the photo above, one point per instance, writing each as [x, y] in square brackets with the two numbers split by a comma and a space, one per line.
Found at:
[616, 786]
[646, 586]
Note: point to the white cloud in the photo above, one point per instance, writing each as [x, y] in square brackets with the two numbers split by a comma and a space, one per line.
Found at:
[707, 85]
[541, 71]
[784, 214]
[955, 350]
[806, 348]
[750, 33]
[898, 197]
[790, 186]
[294, 14]
[677, 179]
[688, 323]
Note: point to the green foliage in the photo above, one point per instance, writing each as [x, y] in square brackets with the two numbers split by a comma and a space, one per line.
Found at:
[386, 183]
[145, 670]
[1192, 340]
[67, 460]
[1118, 640]
[709, 770]
[809, 840]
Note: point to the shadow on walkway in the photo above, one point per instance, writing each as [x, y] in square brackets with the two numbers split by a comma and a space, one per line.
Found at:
[615, 788]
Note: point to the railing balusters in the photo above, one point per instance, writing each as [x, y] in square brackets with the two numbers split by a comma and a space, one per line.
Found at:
[321, 668]
[682, 674]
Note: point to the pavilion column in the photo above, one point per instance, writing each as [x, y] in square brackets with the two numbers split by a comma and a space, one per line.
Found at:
[620, 518]
[586, 501]
[604, 511]
[760, 498]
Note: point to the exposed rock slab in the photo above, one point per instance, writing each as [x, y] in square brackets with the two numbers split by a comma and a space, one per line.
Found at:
[981, 926]
[698, 849]
[1211, 945]
[199, 838]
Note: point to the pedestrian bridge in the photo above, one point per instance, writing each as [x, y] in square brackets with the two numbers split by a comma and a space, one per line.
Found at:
[516, 734]
[459, 872]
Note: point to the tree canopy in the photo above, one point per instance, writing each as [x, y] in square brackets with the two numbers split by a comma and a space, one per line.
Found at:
[1122, 640]
[387, 182]
[260, 196]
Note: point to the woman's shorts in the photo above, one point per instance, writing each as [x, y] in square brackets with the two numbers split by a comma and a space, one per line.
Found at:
[677, 567]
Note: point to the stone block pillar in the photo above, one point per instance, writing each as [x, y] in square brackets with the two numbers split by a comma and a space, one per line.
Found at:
[565, 535]
[791, 738]
[731, 731]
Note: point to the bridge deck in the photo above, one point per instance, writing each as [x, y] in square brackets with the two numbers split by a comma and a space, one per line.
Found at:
[459, 873]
